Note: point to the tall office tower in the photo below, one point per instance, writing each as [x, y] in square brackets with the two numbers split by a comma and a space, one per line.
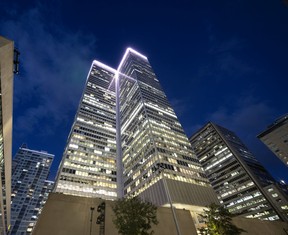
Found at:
[241, 183]
[30, 171]
[41, 200]
[156, 151]
[276, 138]
[6, 104]
[88, 166]
[152, 154]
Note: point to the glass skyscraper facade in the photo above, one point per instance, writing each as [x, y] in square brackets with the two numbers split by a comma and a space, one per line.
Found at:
[241, 183]
[150, 149]
[29, 182]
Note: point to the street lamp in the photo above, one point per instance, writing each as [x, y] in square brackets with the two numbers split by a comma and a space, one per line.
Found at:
[91, 218]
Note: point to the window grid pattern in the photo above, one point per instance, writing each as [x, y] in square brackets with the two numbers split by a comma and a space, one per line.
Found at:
[88, 166]
[223, 157]
[152, 137]
[30, 172]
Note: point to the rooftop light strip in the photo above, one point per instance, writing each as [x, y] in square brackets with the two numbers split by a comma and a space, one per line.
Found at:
[126, 54]
[42, 152]
[137, 53]
[117, 72]
[104, 66]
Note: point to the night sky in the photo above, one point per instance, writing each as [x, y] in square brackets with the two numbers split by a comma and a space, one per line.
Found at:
[220, 61]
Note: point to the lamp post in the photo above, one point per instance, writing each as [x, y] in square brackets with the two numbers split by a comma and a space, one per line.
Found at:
[91, 218]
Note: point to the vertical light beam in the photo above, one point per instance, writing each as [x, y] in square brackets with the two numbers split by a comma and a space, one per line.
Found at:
[119, 163]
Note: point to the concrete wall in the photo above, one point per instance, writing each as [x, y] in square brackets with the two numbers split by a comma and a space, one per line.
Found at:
[6, 76]
[70, 215]
[180, 192]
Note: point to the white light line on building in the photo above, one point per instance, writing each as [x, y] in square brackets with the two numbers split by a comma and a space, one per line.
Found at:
[111, 83]
[219, 161]
[117, 76]
[221, 151]
[135, 112]
[104, 66]
[160, 110]
[126, 54]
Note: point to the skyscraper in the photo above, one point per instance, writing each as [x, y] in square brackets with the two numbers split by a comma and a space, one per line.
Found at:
[88, 166]
[155, 149]
[241, 183]
[30, 172]
[125, 126]
[6, 106]
[41, 200]
[275, 137]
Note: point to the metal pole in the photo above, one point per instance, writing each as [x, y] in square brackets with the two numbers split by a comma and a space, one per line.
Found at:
[120, 191]
[171, 204]
[91, 219]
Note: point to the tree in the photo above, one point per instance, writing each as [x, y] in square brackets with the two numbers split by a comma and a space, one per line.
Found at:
[134, 217]
[219, 222]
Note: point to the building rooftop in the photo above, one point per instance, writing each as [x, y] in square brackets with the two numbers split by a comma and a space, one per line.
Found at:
[276, 124]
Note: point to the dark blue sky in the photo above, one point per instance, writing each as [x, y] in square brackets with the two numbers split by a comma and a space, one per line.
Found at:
[220, 61]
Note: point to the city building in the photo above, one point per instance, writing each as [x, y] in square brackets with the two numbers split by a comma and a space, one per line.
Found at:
[126, 140]
[239, 180]
[88, 166]
[283, 186]
[156, 153]
[6, 106]
[43, 197]
[29, 188]
[276, 138]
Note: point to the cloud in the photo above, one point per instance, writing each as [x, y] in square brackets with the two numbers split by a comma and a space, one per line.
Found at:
[228, 45]
[225, 57]
[248, 118]
[54, 64]
[232, 65]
